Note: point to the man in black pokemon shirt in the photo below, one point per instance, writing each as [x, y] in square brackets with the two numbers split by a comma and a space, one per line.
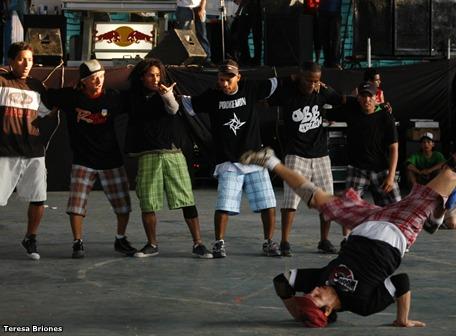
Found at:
[235, 128]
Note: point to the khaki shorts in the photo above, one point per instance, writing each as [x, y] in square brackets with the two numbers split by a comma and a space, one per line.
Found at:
[317, 170]
[26, 175]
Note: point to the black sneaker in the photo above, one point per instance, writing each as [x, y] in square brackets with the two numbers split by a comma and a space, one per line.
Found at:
[149, 250]
[200, 251]
[78, 250]
[218, 249]
[29, 244]
[430, 226]
[271, 249]
[285, 249]
[325, 246]
[122, 245]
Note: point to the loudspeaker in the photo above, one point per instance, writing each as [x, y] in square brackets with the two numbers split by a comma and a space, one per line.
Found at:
[180, 46]
[47, 34]
[45, 41]
[373, 19]
[443, 25]
[412, 20]
[288, 39]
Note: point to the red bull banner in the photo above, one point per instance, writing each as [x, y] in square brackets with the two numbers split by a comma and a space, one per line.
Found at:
[123, 40]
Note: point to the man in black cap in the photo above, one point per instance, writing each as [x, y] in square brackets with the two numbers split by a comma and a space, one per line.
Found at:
[372, 141]
[235, 128]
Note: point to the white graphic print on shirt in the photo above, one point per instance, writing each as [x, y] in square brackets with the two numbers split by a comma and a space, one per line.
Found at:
[309, 119]
[342, 277]
[223, 105]
[234, 124]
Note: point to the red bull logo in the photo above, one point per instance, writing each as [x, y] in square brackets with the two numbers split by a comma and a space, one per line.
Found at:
[110, 37]
[124, 36]
[136, 36]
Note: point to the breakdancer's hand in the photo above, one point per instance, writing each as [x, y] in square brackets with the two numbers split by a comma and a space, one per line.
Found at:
[409, 324]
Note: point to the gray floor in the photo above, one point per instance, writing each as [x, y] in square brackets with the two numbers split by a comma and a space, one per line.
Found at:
[175, 294]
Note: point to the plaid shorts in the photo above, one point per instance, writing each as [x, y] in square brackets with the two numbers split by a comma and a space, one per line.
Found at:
[317, 170]
[115, 186]
[362, 179]
[408, 215]
[163, 172]
[257, 186]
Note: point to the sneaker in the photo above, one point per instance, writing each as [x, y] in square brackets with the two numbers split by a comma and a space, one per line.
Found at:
[325, 246]
[285, 249]
[30, 245]
[149, 250]
[430, 226]
[122, 245]
[271, 249]
[218, 249]
[260, 157]
[78, 249]
[200, 251]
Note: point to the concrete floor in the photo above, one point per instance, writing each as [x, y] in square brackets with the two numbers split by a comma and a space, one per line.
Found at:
[176, 294]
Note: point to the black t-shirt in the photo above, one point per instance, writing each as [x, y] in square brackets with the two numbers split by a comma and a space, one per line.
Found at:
[235, 125]
[368, 135]
[150, 126]
[94, 145]
[302, 113]
[358, 275]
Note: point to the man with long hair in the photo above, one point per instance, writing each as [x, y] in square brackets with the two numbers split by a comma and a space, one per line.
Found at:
[162, 169]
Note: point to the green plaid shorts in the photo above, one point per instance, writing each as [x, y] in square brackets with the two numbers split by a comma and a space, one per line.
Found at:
[168, 172]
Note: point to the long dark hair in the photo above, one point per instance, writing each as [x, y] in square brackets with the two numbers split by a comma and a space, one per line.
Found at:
[136, 84]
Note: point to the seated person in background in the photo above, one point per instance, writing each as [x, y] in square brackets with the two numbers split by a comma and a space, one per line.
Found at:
[424, 165]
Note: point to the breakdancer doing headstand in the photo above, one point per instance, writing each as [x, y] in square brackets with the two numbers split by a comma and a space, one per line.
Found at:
[361, 278]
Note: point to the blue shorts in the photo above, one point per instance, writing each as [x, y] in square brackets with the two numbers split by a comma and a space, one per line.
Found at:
[257, 186]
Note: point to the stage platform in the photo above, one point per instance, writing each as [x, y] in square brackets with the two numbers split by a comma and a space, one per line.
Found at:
[176, 294]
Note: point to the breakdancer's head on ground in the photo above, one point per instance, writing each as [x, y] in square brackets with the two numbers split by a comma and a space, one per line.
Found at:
[362, 278]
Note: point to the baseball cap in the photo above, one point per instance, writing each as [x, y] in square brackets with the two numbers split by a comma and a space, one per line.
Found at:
[427, 135]
[367, 87]
[88, 68]
[229, 67]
